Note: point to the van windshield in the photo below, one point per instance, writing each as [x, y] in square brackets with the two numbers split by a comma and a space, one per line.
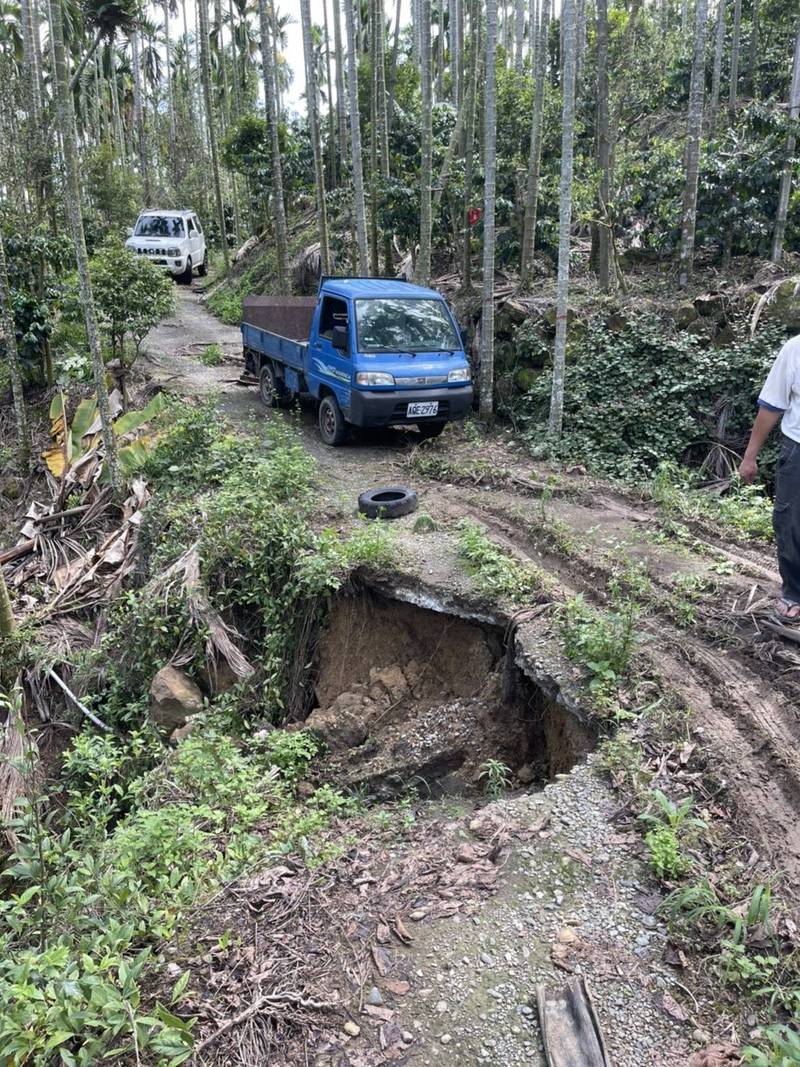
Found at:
[159, 226]
[404, 325]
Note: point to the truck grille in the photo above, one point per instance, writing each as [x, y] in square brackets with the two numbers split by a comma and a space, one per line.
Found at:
[437, 379]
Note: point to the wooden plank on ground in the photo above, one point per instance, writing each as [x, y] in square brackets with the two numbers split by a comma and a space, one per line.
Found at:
[570, 1029]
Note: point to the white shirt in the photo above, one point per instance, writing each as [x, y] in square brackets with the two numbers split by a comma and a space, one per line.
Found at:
[781, 390]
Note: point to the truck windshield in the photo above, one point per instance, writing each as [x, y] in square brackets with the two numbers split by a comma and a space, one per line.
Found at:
[159, 226]
[404, 325]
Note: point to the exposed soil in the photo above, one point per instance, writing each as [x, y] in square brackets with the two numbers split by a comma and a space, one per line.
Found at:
[433, 687]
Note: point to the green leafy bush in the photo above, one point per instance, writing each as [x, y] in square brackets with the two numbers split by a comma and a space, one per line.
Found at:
[495, 571]
[646, 394]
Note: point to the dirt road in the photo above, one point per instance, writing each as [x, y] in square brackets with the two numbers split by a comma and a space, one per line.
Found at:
[729, 687]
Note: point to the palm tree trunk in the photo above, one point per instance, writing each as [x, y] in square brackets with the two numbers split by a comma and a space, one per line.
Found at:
[393, 68]
[119, 133]
[332, 176]
[791, 142]
[15, 369]
[486, 402]
[267, 67]
[753, 51]
[568, 65]
[205, 77]
[694, 130]
[423, 272]
[173, 154]
[452, 41]
[535, 156]
[313, 129]
[356, 160]
[469, 142]
[30, 59]
[138, 115]
[382, 118]
[716, 77]
[735, 45]
[341, 105]
[580, 41]
[601, 229]
[72, 195]
[519, 33]
[373, 139]
[8, 626]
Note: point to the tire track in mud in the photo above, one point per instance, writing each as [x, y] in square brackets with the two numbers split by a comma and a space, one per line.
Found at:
[751, 734]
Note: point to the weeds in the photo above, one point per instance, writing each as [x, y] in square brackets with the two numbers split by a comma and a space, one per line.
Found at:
[211, 356]
[744, 510]
[603, 642]
[495, 571]
[672, 826]
[496, 777]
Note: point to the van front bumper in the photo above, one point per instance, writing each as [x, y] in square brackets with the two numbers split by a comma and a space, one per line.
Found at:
[389, 407]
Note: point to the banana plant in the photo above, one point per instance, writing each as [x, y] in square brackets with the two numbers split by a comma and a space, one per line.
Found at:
[76, 452]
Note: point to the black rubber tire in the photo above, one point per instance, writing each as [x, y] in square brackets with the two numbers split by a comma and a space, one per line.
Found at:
[186, 277]
[387, 502]
[202, 270]
[269, 388]
[332, 427]
[430, 429]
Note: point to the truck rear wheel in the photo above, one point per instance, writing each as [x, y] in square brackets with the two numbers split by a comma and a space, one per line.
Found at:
[270, 391]
[332, 428]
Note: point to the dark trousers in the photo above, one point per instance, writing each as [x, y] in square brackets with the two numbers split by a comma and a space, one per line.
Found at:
[786, 518]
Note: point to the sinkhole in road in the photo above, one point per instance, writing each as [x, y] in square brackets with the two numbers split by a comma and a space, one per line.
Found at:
[415, 697]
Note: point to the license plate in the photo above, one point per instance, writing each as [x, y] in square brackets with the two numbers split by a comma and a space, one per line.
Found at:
[416, 411]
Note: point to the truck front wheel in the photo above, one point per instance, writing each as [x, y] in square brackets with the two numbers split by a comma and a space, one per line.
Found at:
[332, 428]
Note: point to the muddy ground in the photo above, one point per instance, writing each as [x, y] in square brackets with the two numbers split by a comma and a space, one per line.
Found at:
[452, 678]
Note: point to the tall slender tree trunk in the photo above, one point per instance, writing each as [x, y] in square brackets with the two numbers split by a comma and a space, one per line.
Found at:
[341, 103]
[735, 46]
[519, 34]
[426, 158]
[172, 139]
[313, 129]
[716, 77]
[72, 195]
[452, 40]
[278, 208]
[119, 133]
[138, 115]
[535, 155]
[332, 176]
[8, 626]
[602, 232]
[752, 61]
[356, 160]
[556, 419]
[791, 142]
[580, 40]
[382, 117]
[373, 140]
[486, 401]
[205, 77]
[694, 130]
[469, 141]
[15, 369]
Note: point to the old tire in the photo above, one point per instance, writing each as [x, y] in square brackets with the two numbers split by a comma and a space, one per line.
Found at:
[387, 503]
[186, 277]
[332, 427]
[202, 270]
[430, 429]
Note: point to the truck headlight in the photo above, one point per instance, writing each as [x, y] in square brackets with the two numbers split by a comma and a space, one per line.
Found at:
[173, 252]
[372, 377]
[460, 374]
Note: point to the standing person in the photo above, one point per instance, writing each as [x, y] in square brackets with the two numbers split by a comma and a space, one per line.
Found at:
[779, 401]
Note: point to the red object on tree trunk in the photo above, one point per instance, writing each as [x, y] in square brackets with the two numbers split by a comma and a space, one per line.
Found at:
[474, 215]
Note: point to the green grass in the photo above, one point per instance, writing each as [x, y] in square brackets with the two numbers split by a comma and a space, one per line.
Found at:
[495, 571]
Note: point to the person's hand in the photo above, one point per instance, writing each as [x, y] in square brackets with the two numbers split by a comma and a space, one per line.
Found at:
[748, 470]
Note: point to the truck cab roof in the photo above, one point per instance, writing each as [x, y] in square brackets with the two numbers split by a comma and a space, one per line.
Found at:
[364, 288]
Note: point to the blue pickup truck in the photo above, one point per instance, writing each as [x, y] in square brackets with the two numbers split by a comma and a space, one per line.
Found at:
[372, 352]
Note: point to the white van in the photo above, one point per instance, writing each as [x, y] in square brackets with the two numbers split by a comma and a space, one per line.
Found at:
[171, 239]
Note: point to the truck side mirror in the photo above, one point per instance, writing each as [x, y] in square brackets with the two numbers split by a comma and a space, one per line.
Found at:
[129, 231]
[339, 338]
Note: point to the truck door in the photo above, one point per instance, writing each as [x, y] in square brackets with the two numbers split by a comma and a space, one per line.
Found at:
[331, 365]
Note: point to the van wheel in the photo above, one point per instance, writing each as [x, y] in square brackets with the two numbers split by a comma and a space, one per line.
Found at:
[202, 270]
[186, 277]
[430, 429]
[332, 428]
[270, 391]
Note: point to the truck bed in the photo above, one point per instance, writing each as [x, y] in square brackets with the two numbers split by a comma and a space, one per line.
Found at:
[284, 349]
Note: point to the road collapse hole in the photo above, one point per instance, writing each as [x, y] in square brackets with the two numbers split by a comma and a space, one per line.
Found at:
[409, 697]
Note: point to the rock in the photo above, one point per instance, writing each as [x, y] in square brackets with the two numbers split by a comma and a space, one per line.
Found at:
[710, 305]
[338, 727]
[374, 997]
[445, 1039]
[724, 336]
[391, 678]
[174, 697]
[685, 315]
[525, 774]
[183, 731]
[785, 304]
[220, 678]
[351, 1028]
